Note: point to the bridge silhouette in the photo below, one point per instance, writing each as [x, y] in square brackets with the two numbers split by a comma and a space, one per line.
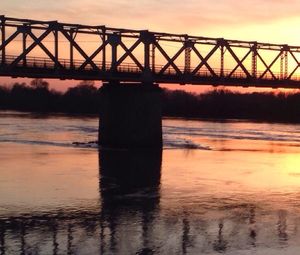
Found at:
[50, 49]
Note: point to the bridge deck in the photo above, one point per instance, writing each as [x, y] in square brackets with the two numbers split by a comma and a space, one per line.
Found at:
[44, 68]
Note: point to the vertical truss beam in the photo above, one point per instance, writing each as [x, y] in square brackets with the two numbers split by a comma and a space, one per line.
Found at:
[145, 38]
[284, 62]
[103, 37]
[254, 61]
[3, 40]
[187, 60]
[24, 44]
[114, 40]
[153, 57]
[187, 55]
[72, 36]
[281, 65]
[286, 68]
[56, 56]
[222, 61]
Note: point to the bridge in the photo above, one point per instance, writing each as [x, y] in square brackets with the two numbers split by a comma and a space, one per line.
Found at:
[50, 49]
[125, 59]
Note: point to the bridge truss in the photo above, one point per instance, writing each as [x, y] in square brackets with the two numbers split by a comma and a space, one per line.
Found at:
[50, 49]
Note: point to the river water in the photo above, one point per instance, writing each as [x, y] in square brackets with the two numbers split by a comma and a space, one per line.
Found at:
[229, 187]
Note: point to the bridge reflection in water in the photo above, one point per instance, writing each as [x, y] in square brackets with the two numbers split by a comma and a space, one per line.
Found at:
[132, 220]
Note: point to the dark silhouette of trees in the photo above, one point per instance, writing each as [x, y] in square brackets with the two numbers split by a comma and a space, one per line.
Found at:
[82, 99]
[225, 104]
[180, 103]
[216, 104]
[4, 97]
[36, 97]
[39, 83]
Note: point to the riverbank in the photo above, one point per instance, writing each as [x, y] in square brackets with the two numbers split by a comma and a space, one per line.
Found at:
[215, 104]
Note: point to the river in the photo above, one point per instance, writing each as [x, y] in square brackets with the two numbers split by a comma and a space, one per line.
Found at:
[229, 187]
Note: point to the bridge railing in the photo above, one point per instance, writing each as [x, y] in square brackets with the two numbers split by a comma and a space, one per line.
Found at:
[76, 65]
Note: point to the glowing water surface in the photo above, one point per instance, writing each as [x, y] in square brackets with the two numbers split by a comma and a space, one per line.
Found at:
[228, 187]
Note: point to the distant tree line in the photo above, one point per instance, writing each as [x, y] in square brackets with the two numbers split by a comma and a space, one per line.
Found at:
[225, 104]
[37, 97]
[215, 104]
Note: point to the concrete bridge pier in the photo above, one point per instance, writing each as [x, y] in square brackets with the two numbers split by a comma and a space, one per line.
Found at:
[130, 116]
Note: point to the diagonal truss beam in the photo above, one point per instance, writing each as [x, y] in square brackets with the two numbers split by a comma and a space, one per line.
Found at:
[166, 56]
[79, 49]
[3, 36]
[204, 61]
[43, 47]
[268, 67]
[31, 47]
[171, 60]
[90, 58]
[296, 68]
[9, 39]
[128, 53]
[240, 63]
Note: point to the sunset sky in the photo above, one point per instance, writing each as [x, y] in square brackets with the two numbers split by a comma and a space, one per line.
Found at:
[275, 21]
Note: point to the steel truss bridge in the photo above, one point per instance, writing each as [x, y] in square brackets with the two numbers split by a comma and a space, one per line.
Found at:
[50, 49]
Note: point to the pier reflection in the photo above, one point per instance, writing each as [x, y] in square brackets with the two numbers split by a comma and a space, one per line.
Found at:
[129, 185]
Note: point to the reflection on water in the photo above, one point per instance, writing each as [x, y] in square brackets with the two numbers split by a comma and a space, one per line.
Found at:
[221, 196]
[129, 185]
[135, 217]
[129, 193]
